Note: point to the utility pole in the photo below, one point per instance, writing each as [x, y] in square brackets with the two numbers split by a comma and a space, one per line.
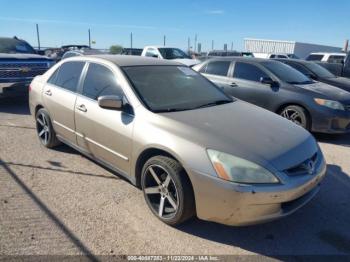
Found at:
[195, 43]
[164, 40]
[346, 46]
[212, 44]
[131, 40]
[89, 38]
[37, 35]
[188, 44]
[231, 46]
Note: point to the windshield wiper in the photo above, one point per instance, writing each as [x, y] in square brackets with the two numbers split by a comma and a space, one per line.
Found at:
[300, 83]
[168, 110]
[215, 103]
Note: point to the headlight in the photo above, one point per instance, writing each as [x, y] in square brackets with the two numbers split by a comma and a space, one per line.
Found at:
[239, 170]
[330, 103]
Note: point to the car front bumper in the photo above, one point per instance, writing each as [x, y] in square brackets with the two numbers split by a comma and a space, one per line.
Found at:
[331, 121]
[14, 86]
[239, 205]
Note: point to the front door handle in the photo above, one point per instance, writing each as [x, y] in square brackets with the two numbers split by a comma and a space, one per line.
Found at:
[82, 108]
[48, 92]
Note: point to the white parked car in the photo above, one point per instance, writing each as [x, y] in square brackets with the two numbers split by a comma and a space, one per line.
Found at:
[169, 53]
[327, 57]
[275, 55]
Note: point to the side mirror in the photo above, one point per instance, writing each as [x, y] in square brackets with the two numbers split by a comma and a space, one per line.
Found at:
[266, 80]
[155, 56]
[110, 102]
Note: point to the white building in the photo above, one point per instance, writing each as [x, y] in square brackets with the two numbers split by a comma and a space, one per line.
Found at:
[301, 50]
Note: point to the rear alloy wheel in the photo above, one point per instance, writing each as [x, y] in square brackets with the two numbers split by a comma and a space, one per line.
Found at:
[297, 115]
[45, 131]
[167, 190]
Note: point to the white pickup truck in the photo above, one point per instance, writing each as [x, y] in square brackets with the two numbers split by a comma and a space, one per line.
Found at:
[171, 53]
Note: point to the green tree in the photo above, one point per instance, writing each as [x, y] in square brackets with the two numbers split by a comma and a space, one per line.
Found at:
[115, 49]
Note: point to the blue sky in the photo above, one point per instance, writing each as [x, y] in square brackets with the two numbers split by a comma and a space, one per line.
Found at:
[224, 21]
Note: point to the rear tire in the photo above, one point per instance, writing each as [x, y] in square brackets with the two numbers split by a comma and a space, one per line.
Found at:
[167, 190]
[44, 128]
[297, 115]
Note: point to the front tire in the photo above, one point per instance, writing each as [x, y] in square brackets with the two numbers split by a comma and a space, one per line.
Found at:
[167, 190]
[45, 131]
[297, 115]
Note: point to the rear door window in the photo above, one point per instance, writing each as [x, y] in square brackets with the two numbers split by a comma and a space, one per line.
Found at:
[68, 75]
[248, 72]
[219, 68]
[100, 81]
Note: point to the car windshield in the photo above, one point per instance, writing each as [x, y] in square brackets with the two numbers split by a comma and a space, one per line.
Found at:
[12, 46]
[173, 53]
[173, 88]
[320, 71]
[287, 73]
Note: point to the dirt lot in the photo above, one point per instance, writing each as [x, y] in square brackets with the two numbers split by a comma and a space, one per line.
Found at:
[59, 202]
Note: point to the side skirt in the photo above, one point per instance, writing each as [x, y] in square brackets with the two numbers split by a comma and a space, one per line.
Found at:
[99, 161]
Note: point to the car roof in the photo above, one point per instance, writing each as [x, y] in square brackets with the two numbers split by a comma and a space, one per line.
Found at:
[242, 59]
[129, 60]
[300, 61]
[328, 53]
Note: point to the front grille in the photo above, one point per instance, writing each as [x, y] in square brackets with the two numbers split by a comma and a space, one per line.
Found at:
[21, 74]
[16, 65]
[304, 168]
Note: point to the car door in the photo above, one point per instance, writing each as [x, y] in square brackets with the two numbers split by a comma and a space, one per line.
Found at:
[103, 133]
[59, 98]
[346, 71]
[217, 71]
[248, 87]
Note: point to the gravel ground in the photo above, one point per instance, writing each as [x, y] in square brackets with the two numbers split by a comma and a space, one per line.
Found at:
[57, 202]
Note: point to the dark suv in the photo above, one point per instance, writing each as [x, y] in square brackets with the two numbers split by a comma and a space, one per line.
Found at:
[19, 64]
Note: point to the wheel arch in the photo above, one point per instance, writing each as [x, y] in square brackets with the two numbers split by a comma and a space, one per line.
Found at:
[37, 108]
[148, 153]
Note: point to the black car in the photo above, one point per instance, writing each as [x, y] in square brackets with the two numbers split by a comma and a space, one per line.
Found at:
[81, 52]
[19, 64]
[338, 69]
[280, 88]
[132, 51]
[58, 53]
[318, 73]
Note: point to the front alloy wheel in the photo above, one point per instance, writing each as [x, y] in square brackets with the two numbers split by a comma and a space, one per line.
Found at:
[297, 115]
[161, 191]
[167, 190]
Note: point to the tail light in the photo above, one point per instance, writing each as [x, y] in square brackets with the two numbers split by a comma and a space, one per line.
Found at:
[29, 88]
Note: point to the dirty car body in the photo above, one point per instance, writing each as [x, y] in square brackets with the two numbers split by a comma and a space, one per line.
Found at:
[245, 164]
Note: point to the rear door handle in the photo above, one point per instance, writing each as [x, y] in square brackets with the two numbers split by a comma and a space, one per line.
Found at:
[233, 84]
[82, 108]
[48, 93]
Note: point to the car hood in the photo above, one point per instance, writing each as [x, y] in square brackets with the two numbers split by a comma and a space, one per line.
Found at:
[341, 82]
[246, 131]
[331, 92]
[4, 56]
[187, 61]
